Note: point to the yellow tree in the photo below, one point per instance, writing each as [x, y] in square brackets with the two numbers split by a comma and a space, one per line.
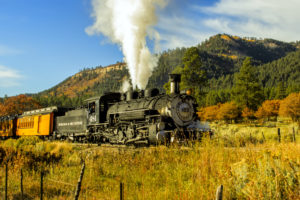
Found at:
[209, 113]
[268, 109]
[260, 113]
[17, 105]
[290, 107]
[228, 111]
[248, 113]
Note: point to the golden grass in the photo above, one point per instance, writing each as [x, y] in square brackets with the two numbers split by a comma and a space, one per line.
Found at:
[266, 170]
[242, 134]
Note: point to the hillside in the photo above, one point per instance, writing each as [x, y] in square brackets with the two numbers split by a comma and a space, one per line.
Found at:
[88, 82]
[234, 47]
[222, 56]
[285, 69]
[83, 81]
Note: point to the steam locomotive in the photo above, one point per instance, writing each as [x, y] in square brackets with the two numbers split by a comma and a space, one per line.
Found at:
[118, 118]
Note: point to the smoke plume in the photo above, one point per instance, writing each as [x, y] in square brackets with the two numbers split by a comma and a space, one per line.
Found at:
[125, 86]
[128, 22]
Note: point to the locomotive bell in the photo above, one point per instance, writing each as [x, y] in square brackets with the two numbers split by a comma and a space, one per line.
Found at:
[175, 80]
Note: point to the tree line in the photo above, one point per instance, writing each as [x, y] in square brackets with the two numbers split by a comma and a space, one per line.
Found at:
[269, 110]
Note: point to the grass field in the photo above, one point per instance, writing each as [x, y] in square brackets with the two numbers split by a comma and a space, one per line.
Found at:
[247, 164]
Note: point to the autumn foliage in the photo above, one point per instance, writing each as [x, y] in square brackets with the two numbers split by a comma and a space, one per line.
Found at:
[248, 113]
[268, 109]
[209, 113]
[226, 111]
[290, 107]
[17, 105]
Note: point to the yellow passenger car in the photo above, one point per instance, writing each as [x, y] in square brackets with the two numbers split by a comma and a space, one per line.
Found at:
[36, 122]
[7, 126]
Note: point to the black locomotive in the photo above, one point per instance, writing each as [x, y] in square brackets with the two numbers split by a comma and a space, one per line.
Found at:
[131, 118]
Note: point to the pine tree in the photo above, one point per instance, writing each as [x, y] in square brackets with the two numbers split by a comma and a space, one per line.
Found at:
[280, 91]
[247, 91]
[193, 74]
[212, 98]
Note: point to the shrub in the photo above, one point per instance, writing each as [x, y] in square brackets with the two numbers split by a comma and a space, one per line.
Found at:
[228, 112]
[209, 113]
[268, 109]
[247, 113]
[290, 107]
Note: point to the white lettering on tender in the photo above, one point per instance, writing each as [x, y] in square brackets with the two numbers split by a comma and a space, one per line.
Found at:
[70, 124]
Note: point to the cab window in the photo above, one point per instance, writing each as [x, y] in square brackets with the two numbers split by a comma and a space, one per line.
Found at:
[92, 107]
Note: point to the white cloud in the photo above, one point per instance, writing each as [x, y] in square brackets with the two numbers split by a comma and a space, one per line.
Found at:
[8, 77]
[178, 31]
[275, 19]
[260, 18]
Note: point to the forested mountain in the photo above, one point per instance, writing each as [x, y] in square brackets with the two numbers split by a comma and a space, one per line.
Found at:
[262, 51]
[286, 70]
[222, 56]
[277, 65]
[86, 83]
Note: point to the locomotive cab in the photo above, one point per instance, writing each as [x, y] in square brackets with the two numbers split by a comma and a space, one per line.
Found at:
[98, 107]
[93, 111]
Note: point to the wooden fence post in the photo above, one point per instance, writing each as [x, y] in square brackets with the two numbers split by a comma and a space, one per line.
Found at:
[294, 135]
[22, 197]
[6, 177]
[219, 193]
[42, 176]
[121, 191]
[279, 137]
[263, 136]
[79, 182]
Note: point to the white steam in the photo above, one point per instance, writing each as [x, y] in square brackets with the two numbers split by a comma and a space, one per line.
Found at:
[128, 22]
[125, 86]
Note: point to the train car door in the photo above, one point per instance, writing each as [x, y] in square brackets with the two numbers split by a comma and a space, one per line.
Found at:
[39, 124]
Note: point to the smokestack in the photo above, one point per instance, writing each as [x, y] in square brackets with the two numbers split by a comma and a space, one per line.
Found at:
[175, 80]
[129, 95]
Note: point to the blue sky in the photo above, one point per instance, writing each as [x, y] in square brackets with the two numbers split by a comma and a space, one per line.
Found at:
[42, 42]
